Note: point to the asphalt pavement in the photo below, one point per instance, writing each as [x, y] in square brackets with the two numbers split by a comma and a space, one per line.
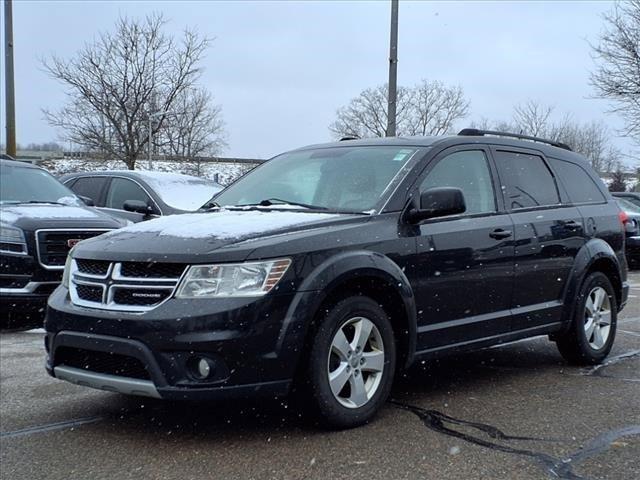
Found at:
[513, 412]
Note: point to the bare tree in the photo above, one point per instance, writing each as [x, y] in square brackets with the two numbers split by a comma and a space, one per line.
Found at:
[429, 108]
[121, 80]
[435, 108]
[366, 114]
[590, 139]
[617, 75]
[196, 128]
[532, 118]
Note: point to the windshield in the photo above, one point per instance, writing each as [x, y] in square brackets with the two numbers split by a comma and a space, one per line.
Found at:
[336, 179]
[32, 185]
[628, 206]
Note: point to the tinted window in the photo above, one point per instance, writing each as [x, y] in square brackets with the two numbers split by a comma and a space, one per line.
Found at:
[526, 180]
[580, 187]
[468, 171]
[89, 187]
[122, 190]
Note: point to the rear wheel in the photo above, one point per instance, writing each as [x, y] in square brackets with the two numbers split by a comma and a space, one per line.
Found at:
[351, 363]
[592, 331]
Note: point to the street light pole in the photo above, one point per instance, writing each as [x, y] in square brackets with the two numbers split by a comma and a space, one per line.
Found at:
[150, 140]
[10, 97]
[393, 71]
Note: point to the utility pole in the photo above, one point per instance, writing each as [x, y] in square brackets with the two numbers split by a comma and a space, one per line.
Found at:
[393, 71]
[10, 98]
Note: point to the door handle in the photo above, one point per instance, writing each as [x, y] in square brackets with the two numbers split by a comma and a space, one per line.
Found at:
[573, 225]
[500, 234]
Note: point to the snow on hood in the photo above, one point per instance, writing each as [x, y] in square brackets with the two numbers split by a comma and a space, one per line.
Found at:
[182, 192]
[13, 213]
[223, 224]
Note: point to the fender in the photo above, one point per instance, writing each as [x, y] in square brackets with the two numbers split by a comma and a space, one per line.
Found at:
[594, 250]
[327, 276]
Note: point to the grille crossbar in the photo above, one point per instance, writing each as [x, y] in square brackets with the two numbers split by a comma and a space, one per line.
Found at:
[122, 286]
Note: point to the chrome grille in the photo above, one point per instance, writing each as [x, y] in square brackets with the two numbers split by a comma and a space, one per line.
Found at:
[53, 245]
[123, 286]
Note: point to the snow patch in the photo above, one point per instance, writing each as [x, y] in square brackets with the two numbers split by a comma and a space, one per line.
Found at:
[183, 192]
[224, 224]
[12, 213]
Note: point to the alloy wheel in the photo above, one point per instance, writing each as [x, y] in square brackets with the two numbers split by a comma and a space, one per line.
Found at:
[356, 362]
[597, 318]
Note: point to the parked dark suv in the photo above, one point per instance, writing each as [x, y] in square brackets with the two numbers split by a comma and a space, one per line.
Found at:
[332, 266]
[40, 219]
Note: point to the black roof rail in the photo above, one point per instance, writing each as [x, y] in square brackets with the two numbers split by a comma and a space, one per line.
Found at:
[344, 139]
[474, 132]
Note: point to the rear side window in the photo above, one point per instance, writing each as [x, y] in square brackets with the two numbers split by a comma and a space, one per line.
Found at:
[580, 186]
[89, 187]
[526, 180]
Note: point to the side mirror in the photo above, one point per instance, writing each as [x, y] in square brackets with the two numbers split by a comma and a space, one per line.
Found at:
[88, 201]
[438, 202]
[137, 206]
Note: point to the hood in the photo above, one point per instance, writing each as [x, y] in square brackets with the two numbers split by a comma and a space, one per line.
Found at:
[39, 215]
[184, 237]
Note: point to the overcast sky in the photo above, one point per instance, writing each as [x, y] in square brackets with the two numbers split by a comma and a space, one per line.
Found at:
[281, 69]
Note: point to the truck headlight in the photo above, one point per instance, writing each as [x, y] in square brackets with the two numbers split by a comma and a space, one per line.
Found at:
[12, 240]
[248, 279]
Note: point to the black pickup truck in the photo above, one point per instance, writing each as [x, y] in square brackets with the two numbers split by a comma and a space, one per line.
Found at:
[40, 221]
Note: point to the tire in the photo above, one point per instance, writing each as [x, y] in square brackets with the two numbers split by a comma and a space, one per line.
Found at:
[590, 338]
[366, 374]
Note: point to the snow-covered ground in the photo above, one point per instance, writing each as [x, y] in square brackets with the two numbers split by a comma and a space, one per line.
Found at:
[224, 172]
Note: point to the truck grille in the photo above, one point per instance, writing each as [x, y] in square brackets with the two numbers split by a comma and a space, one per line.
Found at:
[101, 362]
[123, 286]
[54, 245]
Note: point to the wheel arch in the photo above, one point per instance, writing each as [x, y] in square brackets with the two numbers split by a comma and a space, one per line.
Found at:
[351, 273]
[595, 256]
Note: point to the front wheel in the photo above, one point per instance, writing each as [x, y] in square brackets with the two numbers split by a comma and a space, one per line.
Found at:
[592, 332]
[351, 363]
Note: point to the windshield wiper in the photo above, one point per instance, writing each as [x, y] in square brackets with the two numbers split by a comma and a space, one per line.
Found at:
[45, 201]
[268, 202]
[278, 201]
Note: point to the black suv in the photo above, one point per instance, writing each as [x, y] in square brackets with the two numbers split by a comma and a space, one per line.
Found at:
[333, 266]
[40, 219]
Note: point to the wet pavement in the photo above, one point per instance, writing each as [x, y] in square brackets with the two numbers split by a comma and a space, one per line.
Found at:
[514, 412]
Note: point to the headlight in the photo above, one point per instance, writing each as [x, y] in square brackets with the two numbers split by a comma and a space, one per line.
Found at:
[250, 279]
[12, 240]
[67, 271]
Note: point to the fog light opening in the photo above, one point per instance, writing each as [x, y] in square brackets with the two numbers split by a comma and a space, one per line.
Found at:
[201, 368]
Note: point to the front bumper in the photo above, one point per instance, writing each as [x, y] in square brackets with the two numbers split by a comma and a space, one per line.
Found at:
[633, 246]
[241, 338]
[24, 307]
